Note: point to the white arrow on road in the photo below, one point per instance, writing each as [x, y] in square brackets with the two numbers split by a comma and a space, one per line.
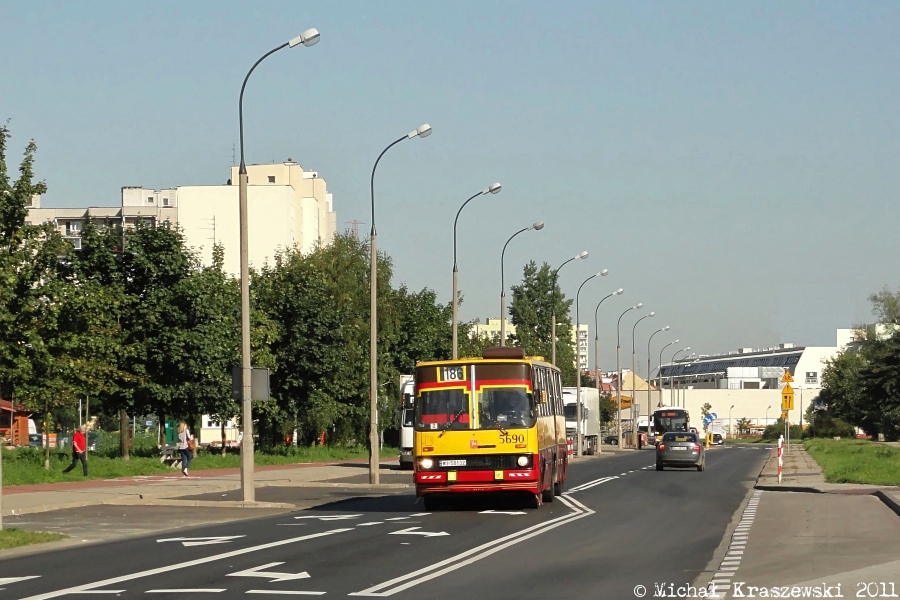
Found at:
[410, 531]
[502, 512]
[330, 517]
[273, 575]
[6, 580]
[202, 541]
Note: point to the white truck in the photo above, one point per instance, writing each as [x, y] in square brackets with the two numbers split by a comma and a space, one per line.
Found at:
[590, 417]
[407, 409]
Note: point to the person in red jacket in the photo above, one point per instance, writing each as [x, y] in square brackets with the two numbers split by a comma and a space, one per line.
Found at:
[79, 451]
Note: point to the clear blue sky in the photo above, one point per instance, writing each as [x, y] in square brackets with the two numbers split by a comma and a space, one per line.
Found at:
[731, 164]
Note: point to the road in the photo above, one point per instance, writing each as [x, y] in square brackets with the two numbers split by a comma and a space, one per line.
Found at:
[620, 525]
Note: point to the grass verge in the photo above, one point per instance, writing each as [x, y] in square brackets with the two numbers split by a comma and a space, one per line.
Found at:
[13, 538]
[25, 466]
[856, 461]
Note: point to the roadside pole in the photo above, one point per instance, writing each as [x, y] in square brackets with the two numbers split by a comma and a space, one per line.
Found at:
[787, 405]
[780, 456]
[2, 446]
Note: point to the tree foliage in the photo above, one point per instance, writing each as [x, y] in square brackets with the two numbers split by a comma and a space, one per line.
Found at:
[534, 302]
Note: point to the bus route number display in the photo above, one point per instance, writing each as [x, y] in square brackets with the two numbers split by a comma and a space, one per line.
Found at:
[453, 374]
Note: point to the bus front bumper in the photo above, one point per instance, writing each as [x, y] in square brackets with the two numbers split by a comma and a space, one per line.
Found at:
[429, 482]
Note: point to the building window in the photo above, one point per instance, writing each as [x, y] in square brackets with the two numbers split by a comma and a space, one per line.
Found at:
[150, 199]
[271, 179]
[165, 201]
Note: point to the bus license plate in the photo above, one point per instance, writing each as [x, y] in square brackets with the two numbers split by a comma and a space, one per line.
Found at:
[451, 463]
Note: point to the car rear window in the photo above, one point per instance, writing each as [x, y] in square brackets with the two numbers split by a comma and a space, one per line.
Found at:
[680, 437]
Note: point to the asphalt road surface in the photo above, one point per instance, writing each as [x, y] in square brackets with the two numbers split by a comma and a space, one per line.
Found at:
[621, 524]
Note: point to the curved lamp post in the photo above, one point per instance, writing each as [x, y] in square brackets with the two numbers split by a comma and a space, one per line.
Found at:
[535, 226]
[421, 131]
[767, 416]
[660, 370]
[671, 391]
[618, 292]
[619, 369]
[649, 424]
[581, 256]
[637, 438]
[310, 37]
[578, 433]
[730, 426]
[491, 189]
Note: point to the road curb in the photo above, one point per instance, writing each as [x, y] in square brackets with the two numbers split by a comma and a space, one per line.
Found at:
[203, 503]
[888, 501]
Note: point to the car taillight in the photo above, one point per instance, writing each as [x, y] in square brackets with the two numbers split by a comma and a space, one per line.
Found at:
[661, 446]
[696, 447]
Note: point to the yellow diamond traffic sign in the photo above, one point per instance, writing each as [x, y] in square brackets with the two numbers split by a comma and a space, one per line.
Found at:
[787, 397]
[787, 377]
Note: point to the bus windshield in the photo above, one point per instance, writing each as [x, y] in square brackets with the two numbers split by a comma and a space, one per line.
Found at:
[670, 420]
[501, 407]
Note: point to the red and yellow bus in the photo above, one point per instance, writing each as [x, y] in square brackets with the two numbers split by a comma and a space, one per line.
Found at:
[489, 424]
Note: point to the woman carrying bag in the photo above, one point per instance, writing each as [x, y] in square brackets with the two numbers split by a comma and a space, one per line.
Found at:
[185, 447]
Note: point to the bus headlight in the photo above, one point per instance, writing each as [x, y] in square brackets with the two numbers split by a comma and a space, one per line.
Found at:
[426, 463]
[523, 461]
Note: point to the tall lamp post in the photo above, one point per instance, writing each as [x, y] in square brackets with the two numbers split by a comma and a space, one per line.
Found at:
[578, 434]
[637, 438]
[421, 131]
[730, 426]
[618, 292]
[660, 369]
[767, 416]
[619, 370]
[649, 371]
[582, 256]
[671, 389]
[308, 38]
[491, 189]
[535, 226]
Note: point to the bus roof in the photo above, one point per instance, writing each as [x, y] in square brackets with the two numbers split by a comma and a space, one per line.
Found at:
[478, 359]
[670, 408]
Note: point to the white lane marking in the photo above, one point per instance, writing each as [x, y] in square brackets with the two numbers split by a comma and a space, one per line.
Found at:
[330, 517]
[590, 484]
[5, 580]
[370, 523]
[411, 531]
[285, 592]
[92, 592]
[622, 474]
[396, 519]
[182, 565]
[502, 512]
[186, 591]
[202, 541]
[273, 575]
[475, 554]
[420, 515]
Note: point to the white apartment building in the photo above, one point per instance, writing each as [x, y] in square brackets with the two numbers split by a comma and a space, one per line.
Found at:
[491, 328]
[581, 346]
[287, 207]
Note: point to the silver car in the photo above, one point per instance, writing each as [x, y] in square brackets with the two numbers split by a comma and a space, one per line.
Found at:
[680, 449]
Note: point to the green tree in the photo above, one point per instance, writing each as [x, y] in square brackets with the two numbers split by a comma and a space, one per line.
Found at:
[886, 306]
[879, 376]
[533, 304]
[38, 361]
[843, 393]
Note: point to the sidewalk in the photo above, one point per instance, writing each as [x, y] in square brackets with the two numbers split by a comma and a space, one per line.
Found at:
[813, 536]
[170, 490]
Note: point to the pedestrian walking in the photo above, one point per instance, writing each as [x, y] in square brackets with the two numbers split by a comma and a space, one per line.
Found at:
[185, 446]
[79, 451]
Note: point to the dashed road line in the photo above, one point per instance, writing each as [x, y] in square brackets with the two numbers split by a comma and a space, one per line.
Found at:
[721, 581]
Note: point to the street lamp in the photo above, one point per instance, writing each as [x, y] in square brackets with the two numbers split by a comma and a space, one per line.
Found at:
[649, 371]
[582, 256]
[767, 416]
[730, 426]
[578, 434]
[491, 189]
[421, 131]
[619, 370]
[637, 438]
[660, 370]
[671, 390]
[618, 292]
[309, 37]
[535, 226]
